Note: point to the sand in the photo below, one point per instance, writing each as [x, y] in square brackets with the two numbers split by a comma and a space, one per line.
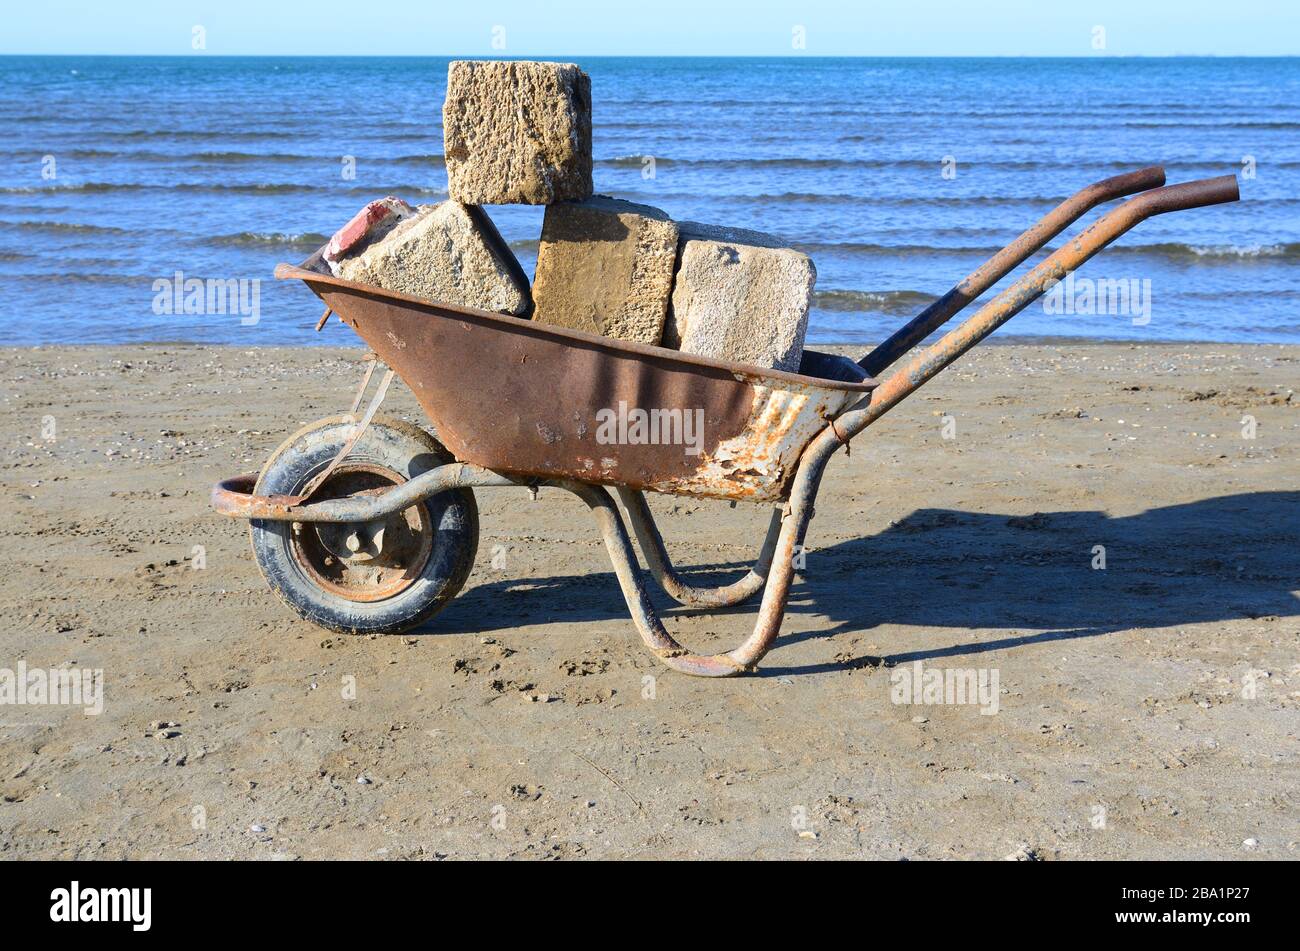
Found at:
[1149, 709]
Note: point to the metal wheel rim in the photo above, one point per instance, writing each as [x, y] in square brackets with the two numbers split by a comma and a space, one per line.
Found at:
[407, 542]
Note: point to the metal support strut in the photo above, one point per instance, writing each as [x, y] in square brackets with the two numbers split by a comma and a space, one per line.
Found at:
[674, 585]
[775, 595]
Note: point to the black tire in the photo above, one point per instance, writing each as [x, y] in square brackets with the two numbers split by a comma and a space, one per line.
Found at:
[384, 588]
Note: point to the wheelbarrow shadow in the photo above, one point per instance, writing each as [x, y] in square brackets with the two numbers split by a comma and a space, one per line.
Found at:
[1053, 575]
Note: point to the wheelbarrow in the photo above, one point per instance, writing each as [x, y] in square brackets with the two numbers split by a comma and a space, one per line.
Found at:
[364, 523]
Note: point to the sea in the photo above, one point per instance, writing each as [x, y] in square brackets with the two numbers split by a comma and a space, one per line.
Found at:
[121, 178]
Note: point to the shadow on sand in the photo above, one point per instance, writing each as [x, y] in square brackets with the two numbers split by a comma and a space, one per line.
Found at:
[1217, 559]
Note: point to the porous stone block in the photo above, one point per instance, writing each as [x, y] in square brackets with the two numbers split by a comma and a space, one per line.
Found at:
[606, 266]
[517, 132]
[740, 295]
[447, 253]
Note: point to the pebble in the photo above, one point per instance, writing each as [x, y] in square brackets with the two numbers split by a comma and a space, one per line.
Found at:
[1022, 854]
[1250, 844]
[256, 828]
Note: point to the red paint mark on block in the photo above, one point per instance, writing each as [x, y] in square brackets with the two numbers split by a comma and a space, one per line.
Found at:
[387, 211]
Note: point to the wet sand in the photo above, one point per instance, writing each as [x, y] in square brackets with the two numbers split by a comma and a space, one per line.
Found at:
[1150, 709]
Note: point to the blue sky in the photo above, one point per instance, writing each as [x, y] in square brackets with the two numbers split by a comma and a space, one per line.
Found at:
[656, 27]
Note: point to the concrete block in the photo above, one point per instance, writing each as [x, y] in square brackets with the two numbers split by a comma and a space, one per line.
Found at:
[606, 266]
[447, 253]
[517, 132]
[740, 295]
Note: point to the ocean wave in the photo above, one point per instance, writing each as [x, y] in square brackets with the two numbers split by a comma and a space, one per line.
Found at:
[69, 227]
[166, 157]
[34, 209]
[269, 188]
[633, 161]
[852, 198]
[286, 157]
[908, 109]
[196, 135]
[265, 188]
[810, 198]
[431, 160]
[86, 277]
[1171, 251]
[882, 302]
[1177, 251]
[109, 187]
[866, 248]
[226, 158]
[772, 162]
[82, 187]
[416, 134]
[307, 239]
[827, 162]
[1179, 124]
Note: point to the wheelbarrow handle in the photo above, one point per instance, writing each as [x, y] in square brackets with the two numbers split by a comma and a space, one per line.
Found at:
[1006, 261]
[924, 366]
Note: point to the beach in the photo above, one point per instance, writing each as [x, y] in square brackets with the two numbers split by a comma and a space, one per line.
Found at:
[1103, 534]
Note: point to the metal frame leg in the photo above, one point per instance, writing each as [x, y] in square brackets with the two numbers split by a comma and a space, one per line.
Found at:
[776, 594]
[651, 542]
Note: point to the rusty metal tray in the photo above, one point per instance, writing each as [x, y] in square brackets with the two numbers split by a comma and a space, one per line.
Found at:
[532, 399]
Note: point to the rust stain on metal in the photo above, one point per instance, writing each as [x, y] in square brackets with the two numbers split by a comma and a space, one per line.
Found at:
[756, 464]
[234, 497]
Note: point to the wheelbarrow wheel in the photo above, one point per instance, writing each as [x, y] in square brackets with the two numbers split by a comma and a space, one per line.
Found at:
[379, 577]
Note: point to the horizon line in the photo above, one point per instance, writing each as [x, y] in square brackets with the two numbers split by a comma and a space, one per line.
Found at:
[199, 54]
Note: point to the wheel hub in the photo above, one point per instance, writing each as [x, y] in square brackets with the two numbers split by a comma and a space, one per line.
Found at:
[364, 561]
[353, 542]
